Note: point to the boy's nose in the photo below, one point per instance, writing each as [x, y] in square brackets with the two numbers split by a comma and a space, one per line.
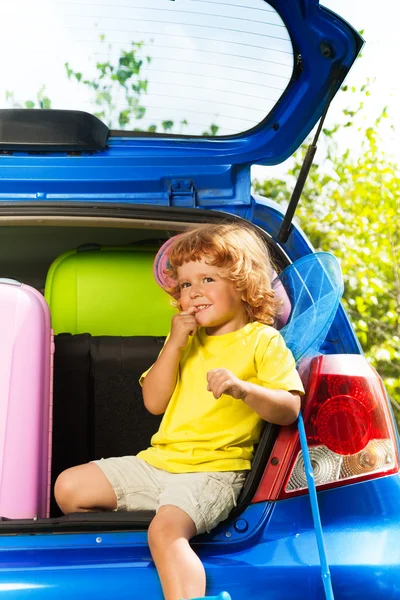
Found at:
[195, 292]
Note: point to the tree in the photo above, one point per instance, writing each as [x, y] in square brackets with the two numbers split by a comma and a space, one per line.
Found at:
[120, 82]
[42, 101]
[350, 206]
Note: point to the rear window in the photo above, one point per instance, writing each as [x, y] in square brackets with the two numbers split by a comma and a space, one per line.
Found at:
[191, 67]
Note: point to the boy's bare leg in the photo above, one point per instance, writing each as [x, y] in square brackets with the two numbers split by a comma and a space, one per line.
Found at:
[84, 489]
[180, 570]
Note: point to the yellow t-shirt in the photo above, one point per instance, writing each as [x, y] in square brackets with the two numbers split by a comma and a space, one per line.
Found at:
[200, 433]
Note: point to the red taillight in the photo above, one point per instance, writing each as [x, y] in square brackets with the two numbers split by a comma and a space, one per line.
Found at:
[343, 424]
[349, 430]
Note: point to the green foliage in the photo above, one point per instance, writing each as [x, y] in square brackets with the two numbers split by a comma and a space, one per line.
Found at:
[42, 101]
[213, 130]
[117, 83]
[115, 79]
[350, 206]
[125, 77]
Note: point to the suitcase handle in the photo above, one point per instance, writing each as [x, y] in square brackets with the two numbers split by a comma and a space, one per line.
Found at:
[9, 281]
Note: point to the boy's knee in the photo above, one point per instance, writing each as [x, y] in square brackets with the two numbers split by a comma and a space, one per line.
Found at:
[159, 532]
[170, 524]
[66, 491]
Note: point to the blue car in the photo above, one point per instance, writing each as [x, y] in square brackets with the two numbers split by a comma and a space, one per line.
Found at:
[159, 136]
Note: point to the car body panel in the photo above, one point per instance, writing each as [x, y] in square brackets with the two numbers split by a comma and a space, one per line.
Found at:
[279, 560]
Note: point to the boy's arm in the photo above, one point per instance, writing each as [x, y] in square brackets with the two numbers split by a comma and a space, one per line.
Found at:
[273, 405]
[159, 383]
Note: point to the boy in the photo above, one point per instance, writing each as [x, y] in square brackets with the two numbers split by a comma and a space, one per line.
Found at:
[223, 371]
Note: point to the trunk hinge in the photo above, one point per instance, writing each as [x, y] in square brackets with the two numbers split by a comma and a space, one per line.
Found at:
[181, 192]
[286, 226]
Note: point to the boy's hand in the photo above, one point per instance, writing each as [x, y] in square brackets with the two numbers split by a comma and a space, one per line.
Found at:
[222, 381]
[183, 324]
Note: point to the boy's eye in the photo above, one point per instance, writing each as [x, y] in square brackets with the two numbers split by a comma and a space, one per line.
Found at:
[208, 279]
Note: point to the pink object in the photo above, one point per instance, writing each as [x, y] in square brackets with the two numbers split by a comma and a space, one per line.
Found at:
[26, 371]
[161, 264]
[286, 307]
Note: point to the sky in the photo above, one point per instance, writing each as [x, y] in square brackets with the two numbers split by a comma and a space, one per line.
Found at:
[378, 56]
[378, 63]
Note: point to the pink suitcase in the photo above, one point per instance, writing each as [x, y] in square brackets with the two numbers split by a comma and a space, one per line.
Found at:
[26, 371]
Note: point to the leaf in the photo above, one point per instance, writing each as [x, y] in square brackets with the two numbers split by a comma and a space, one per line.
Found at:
[167, 125]
[123, 118]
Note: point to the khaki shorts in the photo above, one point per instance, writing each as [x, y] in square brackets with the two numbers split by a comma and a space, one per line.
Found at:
[207, 498]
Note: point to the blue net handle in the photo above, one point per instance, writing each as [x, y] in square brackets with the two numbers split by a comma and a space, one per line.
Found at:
[314, 286]
[222, 596]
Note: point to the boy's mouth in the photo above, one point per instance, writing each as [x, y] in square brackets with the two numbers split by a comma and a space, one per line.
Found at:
[202, 307]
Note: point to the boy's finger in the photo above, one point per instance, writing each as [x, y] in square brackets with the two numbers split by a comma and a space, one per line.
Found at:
[210, 376]
[211, 372]
[185, 312]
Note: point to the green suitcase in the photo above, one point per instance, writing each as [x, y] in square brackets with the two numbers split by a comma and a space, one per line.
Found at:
[107, 291]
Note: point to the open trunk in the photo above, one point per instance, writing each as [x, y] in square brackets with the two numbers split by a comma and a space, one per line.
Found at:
[97, 404]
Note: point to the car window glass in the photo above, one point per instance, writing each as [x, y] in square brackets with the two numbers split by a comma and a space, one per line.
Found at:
[193, 67]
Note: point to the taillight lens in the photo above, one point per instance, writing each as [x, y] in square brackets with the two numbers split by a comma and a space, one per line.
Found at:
[349, 428]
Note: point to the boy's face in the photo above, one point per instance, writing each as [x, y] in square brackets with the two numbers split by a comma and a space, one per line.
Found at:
[219, 306]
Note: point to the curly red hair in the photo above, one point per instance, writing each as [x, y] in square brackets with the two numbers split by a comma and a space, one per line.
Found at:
[241, 252]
